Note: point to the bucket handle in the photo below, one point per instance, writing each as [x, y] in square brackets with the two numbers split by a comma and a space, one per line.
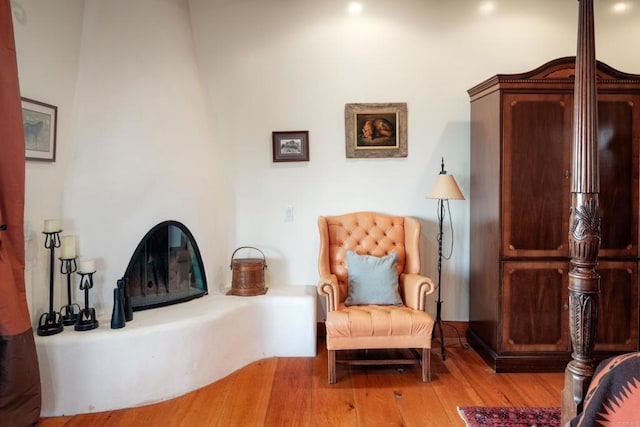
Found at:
[247, 247]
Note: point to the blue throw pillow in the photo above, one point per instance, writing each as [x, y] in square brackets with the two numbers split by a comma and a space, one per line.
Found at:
[373, 280]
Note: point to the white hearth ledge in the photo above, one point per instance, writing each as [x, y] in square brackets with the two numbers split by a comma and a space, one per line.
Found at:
[167, 352]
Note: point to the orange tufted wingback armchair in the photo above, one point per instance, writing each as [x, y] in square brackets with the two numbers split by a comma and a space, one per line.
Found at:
[374, 326]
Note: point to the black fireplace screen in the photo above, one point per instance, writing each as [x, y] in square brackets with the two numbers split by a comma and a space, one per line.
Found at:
[166, 268]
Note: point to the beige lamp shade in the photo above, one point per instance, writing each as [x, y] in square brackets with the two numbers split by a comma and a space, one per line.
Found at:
[445, 187]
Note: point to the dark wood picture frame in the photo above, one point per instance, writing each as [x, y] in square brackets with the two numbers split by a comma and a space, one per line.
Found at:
[40, 122]
[376, 130]
[291, 146]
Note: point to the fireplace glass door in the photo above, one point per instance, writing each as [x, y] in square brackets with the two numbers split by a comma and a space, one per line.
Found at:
[166, 268]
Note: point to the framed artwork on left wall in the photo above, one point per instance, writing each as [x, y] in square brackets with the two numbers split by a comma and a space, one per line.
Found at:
[39, 121]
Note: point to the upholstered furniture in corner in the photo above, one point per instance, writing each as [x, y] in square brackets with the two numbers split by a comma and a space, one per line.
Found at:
[369, 244]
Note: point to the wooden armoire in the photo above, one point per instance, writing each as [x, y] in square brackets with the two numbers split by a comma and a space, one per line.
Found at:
[521, 134]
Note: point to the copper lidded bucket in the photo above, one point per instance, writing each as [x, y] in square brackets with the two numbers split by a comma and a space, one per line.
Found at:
[248, 274]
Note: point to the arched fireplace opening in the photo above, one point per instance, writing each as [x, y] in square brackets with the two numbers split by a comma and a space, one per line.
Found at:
[166, 268]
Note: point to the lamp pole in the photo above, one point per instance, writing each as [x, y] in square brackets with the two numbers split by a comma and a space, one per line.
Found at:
[439, 302]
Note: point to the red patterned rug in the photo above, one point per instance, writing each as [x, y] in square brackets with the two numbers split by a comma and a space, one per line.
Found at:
[478, 416]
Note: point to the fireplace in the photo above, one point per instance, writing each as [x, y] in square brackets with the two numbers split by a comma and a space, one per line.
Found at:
[166, 268]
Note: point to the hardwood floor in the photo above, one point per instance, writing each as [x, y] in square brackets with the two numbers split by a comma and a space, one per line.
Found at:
[293, 391]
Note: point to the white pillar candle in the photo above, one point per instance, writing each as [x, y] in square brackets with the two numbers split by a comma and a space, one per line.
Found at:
[87, 266]
[51, 225]
[68, 247]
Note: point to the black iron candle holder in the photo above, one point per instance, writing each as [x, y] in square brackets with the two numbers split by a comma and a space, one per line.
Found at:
[70, 311]
[50, 322]
[87, 317]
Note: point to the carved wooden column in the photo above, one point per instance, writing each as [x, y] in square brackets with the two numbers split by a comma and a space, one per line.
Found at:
[584, 221]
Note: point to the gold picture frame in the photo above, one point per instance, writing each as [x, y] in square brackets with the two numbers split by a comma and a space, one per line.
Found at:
[376, 130]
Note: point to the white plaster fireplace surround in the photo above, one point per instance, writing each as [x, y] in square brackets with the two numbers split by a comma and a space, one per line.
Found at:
[144, 148]
[169, 351]
[166, 351]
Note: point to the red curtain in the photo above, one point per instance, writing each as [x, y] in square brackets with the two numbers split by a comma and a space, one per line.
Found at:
[20, 398]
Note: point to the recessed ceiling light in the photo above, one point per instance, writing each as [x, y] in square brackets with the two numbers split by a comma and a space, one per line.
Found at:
[620, 7]
[486, 7]
[355, 8]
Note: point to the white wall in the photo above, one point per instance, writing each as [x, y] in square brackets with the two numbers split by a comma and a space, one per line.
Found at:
[270, 65]
[47, 36]
[293, 65]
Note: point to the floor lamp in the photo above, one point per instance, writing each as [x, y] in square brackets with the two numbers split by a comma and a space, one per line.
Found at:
[444, 189]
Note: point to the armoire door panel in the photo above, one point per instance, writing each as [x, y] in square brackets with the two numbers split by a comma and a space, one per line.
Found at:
[618, 122]
[534, 311]
[617, 328]
[536, 160]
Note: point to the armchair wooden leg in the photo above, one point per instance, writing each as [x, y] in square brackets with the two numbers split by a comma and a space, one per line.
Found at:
[332, 366]
[426, 365]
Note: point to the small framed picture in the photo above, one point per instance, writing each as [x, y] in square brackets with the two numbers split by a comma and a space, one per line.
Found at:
[39, 121]
[376, 130]
[291, 146]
